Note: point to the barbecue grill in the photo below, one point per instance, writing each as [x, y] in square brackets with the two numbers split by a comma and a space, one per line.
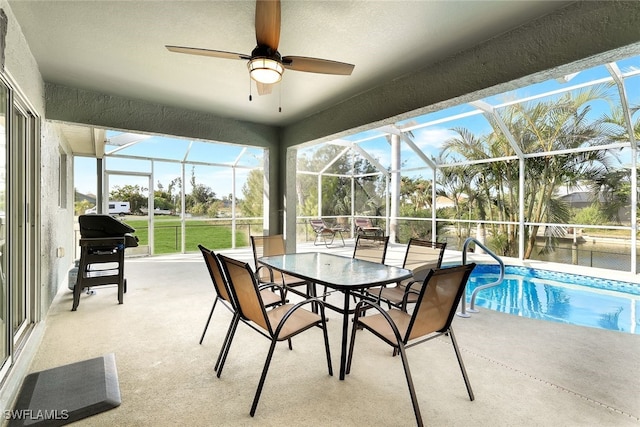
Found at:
[102, 244]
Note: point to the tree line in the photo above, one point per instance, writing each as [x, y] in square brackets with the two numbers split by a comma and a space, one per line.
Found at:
[484, 190]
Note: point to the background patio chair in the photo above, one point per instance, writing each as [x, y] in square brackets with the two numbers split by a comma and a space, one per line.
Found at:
[371, 248]
[364, 226]
[278, 324]
[325, 233]
[223, 294]
[368, 248]
[420, 257]
[275, 245]
[436, 306]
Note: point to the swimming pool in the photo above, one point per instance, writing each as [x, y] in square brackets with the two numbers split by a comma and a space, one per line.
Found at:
[559, 297]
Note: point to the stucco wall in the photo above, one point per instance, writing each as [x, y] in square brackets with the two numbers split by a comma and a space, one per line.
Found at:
[56, 221]
[21, 65]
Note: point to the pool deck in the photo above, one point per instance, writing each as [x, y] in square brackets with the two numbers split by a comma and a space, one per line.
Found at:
[524, 372]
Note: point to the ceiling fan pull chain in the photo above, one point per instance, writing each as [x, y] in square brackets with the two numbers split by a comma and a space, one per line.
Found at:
[280, 98]
[250, 97]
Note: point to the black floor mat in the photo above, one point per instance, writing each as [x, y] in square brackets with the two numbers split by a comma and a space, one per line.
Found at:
[68, 393]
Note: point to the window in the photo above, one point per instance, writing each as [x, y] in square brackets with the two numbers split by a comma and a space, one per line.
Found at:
[62, 190]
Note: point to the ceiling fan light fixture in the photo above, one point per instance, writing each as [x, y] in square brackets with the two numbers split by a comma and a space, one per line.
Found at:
[265, 70]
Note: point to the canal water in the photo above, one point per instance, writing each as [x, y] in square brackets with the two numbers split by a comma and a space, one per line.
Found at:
[588, 252]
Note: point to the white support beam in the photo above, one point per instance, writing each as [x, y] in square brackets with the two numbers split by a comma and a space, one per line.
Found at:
[98, 139]
[624, 102]
[521, 217]
[335, 159]
[371, 160]
[490, 112]
[405, 138]
[186, 153]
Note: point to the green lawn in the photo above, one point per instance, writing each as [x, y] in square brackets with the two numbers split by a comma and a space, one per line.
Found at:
[168, 234]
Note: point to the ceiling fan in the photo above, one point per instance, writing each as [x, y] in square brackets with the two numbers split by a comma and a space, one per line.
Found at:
[266, 65]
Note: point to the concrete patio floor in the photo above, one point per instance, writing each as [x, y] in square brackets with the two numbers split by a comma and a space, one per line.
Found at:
[523, 371]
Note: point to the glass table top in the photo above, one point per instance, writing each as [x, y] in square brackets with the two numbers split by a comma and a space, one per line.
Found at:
[336, 271]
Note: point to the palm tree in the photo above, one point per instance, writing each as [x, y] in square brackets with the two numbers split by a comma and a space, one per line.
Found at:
[612, 189]
[556, 125]
[540, 127]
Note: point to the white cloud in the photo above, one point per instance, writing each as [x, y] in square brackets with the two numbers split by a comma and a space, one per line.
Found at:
[432, 138]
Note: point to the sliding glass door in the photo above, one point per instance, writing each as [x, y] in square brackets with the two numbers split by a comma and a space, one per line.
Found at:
[19, 203]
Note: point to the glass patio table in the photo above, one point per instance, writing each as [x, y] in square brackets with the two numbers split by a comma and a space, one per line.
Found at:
[337, 272]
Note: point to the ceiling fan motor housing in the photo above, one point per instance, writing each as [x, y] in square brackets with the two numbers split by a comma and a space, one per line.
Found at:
[265, 65]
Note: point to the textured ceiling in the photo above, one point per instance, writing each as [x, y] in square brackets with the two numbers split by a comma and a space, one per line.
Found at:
[117, 47]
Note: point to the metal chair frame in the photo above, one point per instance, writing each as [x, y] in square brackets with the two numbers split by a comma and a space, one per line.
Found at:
[417, 331]
[325, 234]
[421, 256]
[364, 226]
[252, 312]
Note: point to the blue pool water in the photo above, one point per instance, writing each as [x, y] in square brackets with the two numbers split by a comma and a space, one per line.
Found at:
[559, 297]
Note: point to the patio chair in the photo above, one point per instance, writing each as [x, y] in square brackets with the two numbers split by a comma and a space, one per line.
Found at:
[324, 233]
[368, 248]
[278, 324]
[223, 294]
[434, 312]
[421, 256]
[364, 226]
[371, 248]
[275, 245]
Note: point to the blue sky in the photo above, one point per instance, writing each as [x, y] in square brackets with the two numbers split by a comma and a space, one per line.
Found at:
[162, 148]
[430, 139]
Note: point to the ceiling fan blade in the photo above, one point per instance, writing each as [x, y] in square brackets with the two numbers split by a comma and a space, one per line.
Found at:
[268, 23]
[263, 89]
[316, 65]
[207, 52]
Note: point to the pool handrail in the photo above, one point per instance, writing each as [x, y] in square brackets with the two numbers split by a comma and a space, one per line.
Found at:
[472, 309]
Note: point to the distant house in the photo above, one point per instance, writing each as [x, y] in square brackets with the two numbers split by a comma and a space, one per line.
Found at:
[578, 199]
[446, 202]
[584, 199]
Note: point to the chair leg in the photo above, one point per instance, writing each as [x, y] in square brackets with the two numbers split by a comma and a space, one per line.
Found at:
[352, 343]
[464, 371]
[224, 351]
[226, 341]
[263, 377]
[412, 391]
[208, 320]
[330, 242]
[326, 342]
[121, 292]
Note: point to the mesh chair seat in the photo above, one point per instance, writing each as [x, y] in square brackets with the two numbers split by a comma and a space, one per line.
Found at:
[371, 248]
[278, 324]
[364, 226]
[421, 256]
[223, 294]
[296, 323]
[325, 233]
[435, 309]
[368, 248]
[270, 246]
[270, 298]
